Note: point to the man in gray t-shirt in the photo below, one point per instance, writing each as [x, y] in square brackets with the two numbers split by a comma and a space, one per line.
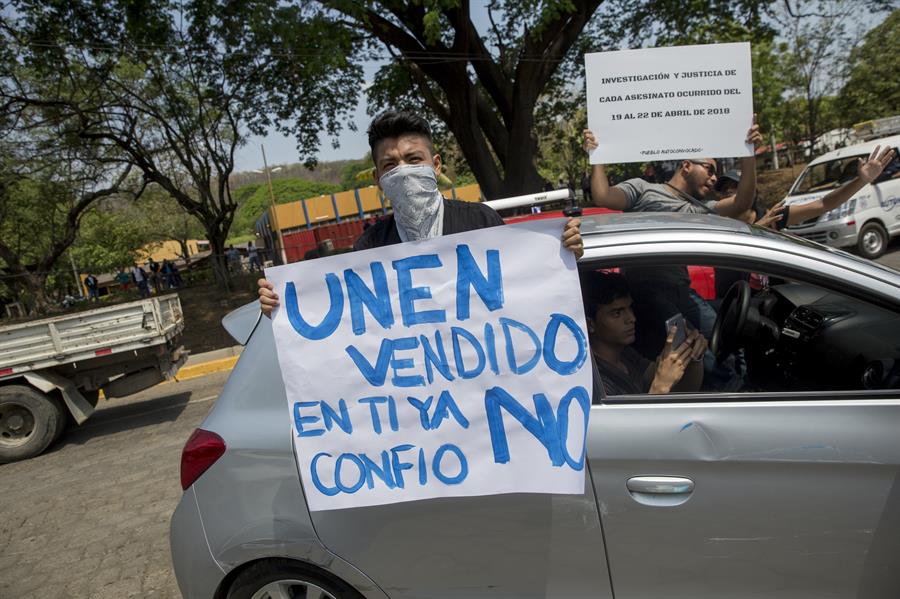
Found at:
[642, 196]
[663, 291]
[691, 188]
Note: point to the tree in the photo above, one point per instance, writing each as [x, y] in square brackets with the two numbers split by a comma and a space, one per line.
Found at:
[819, 36]
[49, 181]
[872, 88]
[177, 86]
[483, 89]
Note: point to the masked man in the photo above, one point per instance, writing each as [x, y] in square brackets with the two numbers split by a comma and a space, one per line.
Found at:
[406, 168]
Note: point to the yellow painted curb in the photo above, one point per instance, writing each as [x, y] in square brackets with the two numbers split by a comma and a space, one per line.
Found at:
[198, 370]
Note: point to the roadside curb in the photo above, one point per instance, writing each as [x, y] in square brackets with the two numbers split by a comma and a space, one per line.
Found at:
[187, 372]
[219, 360]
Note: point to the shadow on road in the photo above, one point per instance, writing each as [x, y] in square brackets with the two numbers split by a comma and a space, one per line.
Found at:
[130, 416]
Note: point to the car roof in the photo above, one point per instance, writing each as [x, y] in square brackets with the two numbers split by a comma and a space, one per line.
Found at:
[660, 221]
[857, 149]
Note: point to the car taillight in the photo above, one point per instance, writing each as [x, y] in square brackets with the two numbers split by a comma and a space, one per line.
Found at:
[200, 452]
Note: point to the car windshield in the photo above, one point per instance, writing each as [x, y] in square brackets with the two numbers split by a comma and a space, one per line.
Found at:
[827, 175]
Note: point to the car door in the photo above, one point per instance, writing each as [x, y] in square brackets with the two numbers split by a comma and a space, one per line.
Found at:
[519, 545]
[886, 192]
[756, 494]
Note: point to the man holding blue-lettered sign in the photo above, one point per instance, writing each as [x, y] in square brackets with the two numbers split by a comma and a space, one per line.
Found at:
[434, 368]
[345, 407]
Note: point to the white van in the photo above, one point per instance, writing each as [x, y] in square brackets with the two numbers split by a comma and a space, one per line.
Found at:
[869, 219]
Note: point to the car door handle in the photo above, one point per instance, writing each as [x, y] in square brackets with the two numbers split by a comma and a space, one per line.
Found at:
[671, 485]
[660, 491]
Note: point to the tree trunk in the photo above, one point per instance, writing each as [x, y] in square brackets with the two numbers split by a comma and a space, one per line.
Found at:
[217, 259]
[34, 285]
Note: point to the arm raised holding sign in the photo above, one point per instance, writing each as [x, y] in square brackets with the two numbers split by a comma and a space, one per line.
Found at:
[691, 188]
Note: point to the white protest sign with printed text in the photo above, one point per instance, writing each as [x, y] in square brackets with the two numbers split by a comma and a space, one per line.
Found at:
[670, 103]
[456, 366]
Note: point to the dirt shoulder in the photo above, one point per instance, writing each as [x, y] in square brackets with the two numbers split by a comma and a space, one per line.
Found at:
[205, 305]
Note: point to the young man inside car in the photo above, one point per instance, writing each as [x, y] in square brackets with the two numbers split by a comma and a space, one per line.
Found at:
[406, 169]
[611, 330]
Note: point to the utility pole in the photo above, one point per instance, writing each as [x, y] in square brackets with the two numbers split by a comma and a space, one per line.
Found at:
[274, 209]
[774, 152]
[77, 276]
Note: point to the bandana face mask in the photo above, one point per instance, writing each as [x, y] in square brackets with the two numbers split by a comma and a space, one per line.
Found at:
[418, 205]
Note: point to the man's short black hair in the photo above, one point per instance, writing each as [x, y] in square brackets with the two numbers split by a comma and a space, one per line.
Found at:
[599, 288]
[394, 123]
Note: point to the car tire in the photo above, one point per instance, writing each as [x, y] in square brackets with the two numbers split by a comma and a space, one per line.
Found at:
[873, 241]
[273, 579]
[29, 422]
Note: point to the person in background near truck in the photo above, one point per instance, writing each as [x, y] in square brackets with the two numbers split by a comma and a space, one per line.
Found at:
[93, 291]
[233, 256]
[170, 274]
[140, 279]
[123, 280]
[406, 168]
[253, 255]
[155, 279]
[586, 188]
[611, 329]
[780, 215]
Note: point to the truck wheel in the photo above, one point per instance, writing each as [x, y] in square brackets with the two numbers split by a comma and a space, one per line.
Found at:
[29, 421]
[873, 241]
[277, 579]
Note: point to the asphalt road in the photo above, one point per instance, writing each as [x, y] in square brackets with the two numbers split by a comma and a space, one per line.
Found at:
[892, 257]
[90, 518]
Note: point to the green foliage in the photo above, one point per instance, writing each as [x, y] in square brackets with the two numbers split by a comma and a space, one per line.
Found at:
[30, 207]
[561, 154]
[108, 239]
[285, 191]
[872, 89]
[351, 169]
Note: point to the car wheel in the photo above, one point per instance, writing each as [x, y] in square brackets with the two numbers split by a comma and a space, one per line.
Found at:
[29, 422]
[284, 579]
[873, 240]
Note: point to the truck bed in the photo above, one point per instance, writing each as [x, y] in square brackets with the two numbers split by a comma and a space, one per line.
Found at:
[71, 338]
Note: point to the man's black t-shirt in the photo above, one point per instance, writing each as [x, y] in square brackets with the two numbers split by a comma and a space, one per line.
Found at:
[459, 217]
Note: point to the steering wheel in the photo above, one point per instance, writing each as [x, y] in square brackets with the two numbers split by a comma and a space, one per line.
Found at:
[731, 320]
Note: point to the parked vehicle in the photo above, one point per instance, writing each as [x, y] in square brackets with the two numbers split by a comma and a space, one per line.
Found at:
[54, 368]
[788, 489]
[867, 221]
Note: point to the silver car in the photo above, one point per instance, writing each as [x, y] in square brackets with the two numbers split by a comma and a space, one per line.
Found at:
[789, 489]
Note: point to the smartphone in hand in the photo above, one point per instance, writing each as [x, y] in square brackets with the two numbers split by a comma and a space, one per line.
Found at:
[677, 321]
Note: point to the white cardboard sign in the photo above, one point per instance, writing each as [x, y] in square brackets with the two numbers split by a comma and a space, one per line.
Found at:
[456, 366]
[672, 103]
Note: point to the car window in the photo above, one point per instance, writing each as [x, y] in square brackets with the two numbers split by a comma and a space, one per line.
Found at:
[794, 335]
[826, 176]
